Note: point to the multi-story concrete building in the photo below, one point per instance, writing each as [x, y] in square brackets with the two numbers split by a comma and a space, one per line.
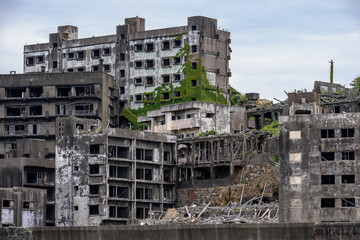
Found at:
[319, 158]
[141, 60]
[188, 119]
[111, 176]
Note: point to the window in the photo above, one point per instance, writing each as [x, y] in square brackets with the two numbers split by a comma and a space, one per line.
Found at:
[149, 47]
[166, 79]
[177, 43]
[149, 97]
[327, 202]
[122, 56]
[94, 189]
[177, 77]
[122, 36]
[165, 62]
[95, 53]
[35, 111]
[107, 67]
[119, 172]
[348, 202]
[193, 48]
[8, 203]
[80, 69]
[337, 109]
[94, 169]
[165, 96]
[40, 59]
[28, 205]
[122, 90]
[138, 81]
[95, 68]
[14, 111]
[55, 64]
[193, 65]
[193, 28]
[55, 45]
[177, 60]
[347, 133]
[95, 149]
[138, 64]
[348, 155]
[177, 94]
[15, 92]
[63, 91]
[70, 70]
[106, 51]
[63, 109]
[138, 47]
[76, 208]
[327, 179]
[347, 179]
[122, 73]
[149, 64]
[76, 168]
[29, 61]
[71, 55]
[167, 156]
[167, 176]
[86, 90]
[327, 156]
[327, 133]
[138, 98]
[80, 55]
[149, 81]
[194, 82]
[93, 209]
[166, 45]
[190, 115]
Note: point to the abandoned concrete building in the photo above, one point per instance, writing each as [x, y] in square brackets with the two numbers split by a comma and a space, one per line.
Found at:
[22, 207]
[191, 118]
[140, 60]
[111, 176]
[319, 162]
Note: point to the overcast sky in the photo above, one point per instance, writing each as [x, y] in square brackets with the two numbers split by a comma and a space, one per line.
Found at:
[276, 45]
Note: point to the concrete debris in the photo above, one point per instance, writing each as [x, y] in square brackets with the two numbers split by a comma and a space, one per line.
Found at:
[252, 211]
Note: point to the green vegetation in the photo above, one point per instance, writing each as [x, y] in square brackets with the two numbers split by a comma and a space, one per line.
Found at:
[274, 159]
[236, 98]
[272, 128]
[258, 185]
[211, 132]
[244, 182]
[194, 87]
[356, 82]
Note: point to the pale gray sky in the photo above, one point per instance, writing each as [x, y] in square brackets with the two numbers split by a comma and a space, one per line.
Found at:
[277, 45]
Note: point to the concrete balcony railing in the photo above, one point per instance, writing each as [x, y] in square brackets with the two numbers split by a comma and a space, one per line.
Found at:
[185, 123]
[14, 133]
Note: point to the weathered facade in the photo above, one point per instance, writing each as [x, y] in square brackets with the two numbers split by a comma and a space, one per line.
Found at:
[22, 207]
[318, 163]
[191, 118]
[111, 176]
[140, 60]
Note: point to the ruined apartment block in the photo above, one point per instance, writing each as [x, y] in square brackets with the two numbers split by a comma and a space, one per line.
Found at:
[111, 176]
[140, 60]
[187, 120]
[319, 158]
[22, 207]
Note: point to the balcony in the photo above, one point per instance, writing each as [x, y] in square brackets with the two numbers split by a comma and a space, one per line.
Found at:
[185, 124]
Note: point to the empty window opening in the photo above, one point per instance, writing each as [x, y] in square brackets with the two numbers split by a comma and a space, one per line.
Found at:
[347, 179]
[193, 28]
[202, 173]
[15, 92]
[55, 45]
[193, 48]
[167, 156]
[28, 205]
[348, 202]
[122, 90]
[150, 47]
[107, 68]
[96, 53]
[149, 63]
[122, 73]
[138, 98]
[122, 56]
[95, 68]
[327, 202]
[80, 69]
[327, 156]
[8, 203]
[138, 64]
[193, 65]
[85, 90]
[36, 91]
[149, 81]
[166, 62]
[76, 208]
[167, 175]
[30, 61]
[63, 91]
[55, 64]
[94, 169]
[80, 55]
[84, 109]
[14, 111]
[71, 55]
[122, 152]
[93, 209]
[76, 168]
[94, 189]
[327, 133]
[166, 79]
[190, 115]
[347, 133]
[337, 109]
[221, 172]
[106, 51]
[177, 60]
[122, 36]
[348, 155]
[210, 115]
[31, 177]
[177, 77]
[194, 83]
[177, 94]
[299, 112]
[138, 47]
[165, 96]
[40, 59]
[327, 179]
[149, 97]
[95, 149]
[177, 43]
[35, 110]
[76, 188]
[138, 81]
[166, 45]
